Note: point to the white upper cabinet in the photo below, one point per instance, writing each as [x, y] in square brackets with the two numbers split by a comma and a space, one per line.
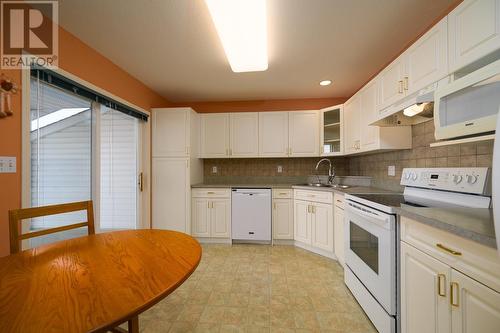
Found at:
[171, 131]
[351, 125]
[473, 31]
[273, 134]
[332, 130]
[369, 135]
[391, 81]
[427, 59]
[303, 133]
[214, 139]
[244, 134]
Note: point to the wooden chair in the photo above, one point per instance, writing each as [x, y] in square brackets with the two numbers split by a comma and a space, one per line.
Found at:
[17, 215]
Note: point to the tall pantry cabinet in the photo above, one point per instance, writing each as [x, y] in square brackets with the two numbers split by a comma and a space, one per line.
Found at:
[175, 167]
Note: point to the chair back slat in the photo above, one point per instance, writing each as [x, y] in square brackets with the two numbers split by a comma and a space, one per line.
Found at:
[17, 215]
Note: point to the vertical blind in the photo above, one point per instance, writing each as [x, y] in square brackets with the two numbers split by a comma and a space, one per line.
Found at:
[61, 151]
[119, 151]
[64, 140]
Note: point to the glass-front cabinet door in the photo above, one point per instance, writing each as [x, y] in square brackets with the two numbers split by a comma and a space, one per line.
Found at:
[332, 130]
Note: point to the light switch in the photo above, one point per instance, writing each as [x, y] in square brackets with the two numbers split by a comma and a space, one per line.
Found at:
[279, 169]
[214, 169]
[391, 170]
[7, 164]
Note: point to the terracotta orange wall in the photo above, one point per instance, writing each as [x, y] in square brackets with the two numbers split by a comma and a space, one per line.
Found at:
[79, 59]
[264, 105]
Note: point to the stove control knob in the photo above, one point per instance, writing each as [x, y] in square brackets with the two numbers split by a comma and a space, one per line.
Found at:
[471, 179]
[407, 175]
[457, 179]
[414, 176]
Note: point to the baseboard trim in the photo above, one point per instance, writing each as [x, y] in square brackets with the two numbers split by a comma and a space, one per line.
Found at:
[310, 248]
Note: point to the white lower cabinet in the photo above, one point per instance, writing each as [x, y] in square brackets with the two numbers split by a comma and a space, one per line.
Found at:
[322, 226]
[338, 228]
[475, 307]
[435, 295]
[282, 219]
[425, 305]
[313, 221]
[211, 213]
[170, 194]
[220, 218]
[302, 221]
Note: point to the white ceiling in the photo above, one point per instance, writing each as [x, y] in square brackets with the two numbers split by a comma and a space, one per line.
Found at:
[172, 45]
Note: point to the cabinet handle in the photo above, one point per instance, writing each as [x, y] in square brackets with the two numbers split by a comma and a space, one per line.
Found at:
[400, 86]
[454, 292]
[313, 209]
[441, 285]
[339, 200]
[274, 205]
[282, 193]
[405, 83]
[447, 249]
[208, 204]
[210, 192]
[308, 208]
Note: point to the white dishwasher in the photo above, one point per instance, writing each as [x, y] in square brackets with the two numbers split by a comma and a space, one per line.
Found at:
[251, 214]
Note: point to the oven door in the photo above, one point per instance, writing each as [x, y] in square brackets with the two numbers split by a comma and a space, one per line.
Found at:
[371, 251]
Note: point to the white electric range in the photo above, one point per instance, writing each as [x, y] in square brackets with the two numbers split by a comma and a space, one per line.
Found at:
[372, 232]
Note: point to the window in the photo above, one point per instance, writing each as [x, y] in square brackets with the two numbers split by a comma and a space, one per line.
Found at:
[81, 150]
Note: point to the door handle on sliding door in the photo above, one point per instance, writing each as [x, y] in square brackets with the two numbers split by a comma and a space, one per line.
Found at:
[141, 182]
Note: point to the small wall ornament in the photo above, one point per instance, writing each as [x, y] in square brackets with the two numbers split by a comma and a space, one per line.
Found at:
[7, 89]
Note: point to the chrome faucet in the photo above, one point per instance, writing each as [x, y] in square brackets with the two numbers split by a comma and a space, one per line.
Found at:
[331, 170]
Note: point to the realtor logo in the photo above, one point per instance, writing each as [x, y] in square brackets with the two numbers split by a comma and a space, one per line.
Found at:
[29, 33]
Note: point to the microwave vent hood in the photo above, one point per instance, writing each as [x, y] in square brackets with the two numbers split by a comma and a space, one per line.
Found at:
[413, 110]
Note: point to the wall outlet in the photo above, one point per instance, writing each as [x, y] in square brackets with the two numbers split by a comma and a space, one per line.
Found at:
[7, 164]
[279, 169]
[214, 169]
[391, 170]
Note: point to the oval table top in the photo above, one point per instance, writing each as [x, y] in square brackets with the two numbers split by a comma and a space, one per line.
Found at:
[94, 282]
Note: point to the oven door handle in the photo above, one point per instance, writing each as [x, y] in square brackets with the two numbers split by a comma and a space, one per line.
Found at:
[380, 220]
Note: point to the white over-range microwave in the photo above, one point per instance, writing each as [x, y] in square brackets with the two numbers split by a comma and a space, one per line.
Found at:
[468, 105]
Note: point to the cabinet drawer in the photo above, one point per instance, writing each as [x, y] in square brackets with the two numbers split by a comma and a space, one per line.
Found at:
[211, 193]
[338, 200]
[315, 196]
[473, 259]
[282, 193]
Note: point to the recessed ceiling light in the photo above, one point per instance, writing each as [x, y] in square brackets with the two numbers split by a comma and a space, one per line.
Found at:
[325, 83]
[242, 29]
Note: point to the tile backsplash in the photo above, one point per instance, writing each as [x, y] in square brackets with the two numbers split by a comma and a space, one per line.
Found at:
[374, 165]
[478, 154]
[266, 169]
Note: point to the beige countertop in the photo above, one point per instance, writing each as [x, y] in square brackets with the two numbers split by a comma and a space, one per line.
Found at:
[350, 190]
[472, 223]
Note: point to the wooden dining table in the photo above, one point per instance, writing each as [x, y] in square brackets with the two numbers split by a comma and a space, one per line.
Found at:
[93, 283]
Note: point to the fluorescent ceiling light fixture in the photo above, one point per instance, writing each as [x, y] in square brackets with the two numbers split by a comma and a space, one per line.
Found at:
[54, 117]
[414, 109]
[242, 29]
[325, 83]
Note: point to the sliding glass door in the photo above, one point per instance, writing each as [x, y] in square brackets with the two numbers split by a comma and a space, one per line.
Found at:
[81, 150]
